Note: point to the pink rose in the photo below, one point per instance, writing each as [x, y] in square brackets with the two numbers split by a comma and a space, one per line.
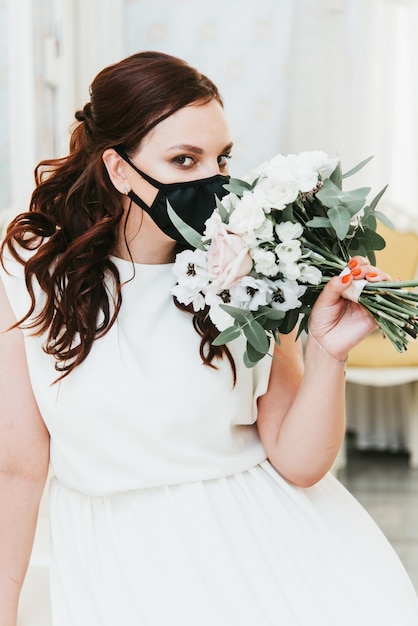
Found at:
[228, 259]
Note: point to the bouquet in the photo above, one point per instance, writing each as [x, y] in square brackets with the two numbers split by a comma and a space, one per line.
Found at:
[272, 244]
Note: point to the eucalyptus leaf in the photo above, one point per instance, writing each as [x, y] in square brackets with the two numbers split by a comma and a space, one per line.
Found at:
[336, 176]
[384, 219]
[237, 186]
[271, 313]
[355, 199]
[289, 321]
[222, 211]
[287, 213]
[190, 235]
[240, 315]
[256, 336]
[376, 199]
[340, 221]
[319, 222]
[229, 334]
[357, 168]
[329, 194]
[370, 239]
[252, 356]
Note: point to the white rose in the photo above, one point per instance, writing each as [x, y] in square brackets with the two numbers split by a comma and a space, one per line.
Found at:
[289, 270]
[247, 216]
[212, 225]
[265, 231]
[320, 162]
[309, 274]
[264, 262]
[288, 230]
[289, 251]
[275, 192]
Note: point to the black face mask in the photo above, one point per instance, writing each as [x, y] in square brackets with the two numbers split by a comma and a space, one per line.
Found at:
[193, 201]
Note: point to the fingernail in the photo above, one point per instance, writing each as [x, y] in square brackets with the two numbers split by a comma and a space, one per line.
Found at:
[352, 264]
[371, 275]
[356, 272]
[345, 278]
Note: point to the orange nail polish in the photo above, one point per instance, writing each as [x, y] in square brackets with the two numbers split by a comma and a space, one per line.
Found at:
[356, 272]
[352, 264]
[371, 275]
[345, 278]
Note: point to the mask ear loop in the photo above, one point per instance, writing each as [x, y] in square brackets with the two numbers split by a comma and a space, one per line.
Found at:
[155, 183]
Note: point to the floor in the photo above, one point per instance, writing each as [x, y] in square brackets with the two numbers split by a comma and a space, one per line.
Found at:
[388, 489]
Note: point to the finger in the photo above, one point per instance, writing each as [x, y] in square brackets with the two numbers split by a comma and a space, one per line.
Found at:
[360, 268]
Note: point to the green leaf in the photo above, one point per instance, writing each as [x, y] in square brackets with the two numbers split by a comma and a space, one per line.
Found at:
[318, 222]
[290, 321]
[357, 167]
[372, 240]
[222, 211]
[229, 334]
[384, 219]
[271, 313]
[376, 199]
[336, 176]
[190, 235]
[252, 356]
[354, 200]
[237, 186]
[340, 221]
[287, 214]
[256, 336]
[329, 194]
[240, 315]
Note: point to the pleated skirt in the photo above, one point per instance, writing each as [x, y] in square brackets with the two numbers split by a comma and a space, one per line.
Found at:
[244, 550]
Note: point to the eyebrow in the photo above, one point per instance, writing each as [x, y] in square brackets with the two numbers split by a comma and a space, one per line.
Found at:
[185, 147]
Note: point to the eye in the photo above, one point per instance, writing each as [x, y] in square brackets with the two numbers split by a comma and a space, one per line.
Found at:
[184, 160]
[223, 160]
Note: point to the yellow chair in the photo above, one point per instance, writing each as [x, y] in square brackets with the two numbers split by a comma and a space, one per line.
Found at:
[376, 363]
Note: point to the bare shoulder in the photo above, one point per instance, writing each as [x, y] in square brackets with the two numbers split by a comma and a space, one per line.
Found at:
[21, 426]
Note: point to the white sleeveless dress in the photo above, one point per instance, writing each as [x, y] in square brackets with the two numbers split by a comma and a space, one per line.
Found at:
[164, 510]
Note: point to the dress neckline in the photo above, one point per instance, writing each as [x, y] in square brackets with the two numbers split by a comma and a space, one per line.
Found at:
[126, 262]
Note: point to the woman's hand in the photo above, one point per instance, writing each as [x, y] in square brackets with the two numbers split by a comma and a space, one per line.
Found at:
[338, 323]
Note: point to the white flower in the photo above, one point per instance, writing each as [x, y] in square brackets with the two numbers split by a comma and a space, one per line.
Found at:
[187, 296]
[275, 192]
[289, 270]
[285, 294]
[219, 317]
[259, 235]
[264, 262]
[320, 162]
[191, 269]
[247, 216]
[288, 230]
[265, 231]
[289, 251]
[251, 293]
[212, 225]
[309, 274]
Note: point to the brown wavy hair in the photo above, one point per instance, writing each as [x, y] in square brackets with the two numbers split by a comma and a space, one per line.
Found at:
[75, 210]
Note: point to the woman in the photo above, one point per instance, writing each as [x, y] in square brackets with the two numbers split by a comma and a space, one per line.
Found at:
[164, 509]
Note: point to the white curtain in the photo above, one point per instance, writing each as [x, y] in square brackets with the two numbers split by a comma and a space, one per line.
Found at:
[337, 75]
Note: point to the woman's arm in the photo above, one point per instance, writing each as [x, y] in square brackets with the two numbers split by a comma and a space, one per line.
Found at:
[301, 418]
[24, 458]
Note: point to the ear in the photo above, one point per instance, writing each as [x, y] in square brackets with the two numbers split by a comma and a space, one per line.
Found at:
[116, 168]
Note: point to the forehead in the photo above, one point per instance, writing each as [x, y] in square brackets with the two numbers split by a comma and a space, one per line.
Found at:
[204, 125]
